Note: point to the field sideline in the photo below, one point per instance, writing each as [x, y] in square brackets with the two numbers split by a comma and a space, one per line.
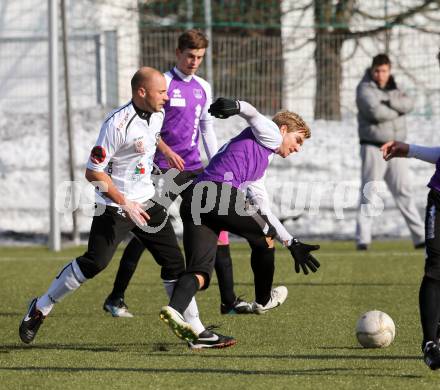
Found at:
[307, 343]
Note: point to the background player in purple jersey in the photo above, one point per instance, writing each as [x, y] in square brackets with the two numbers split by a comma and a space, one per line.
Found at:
[216, 201]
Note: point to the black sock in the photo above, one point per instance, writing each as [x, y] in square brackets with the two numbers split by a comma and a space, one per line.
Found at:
[225, 276]
[263, 265]
[127, 266]
[429, 301]
[186, 287]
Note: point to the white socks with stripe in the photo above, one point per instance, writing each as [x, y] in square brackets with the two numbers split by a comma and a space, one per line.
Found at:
[68, 280]
[191, 314]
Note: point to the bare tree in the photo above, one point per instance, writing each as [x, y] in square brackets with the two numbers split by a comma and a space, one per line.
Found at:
[335, 23]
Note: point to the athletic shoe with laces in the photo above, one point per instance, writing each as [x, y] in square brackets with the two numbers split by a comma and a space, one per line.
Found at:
[117, 308]
[210, 339]
[238, 307]
[31, 323]
[277, 297]
[431, 355]
[183, 330]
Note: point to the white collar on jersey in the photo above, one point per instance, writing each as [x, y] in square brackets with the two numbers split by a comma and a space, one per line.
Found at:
[183, 76]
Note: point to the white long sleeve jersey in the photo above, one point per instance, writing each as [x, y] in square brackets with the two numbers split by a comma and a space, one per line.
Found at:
[125, 150]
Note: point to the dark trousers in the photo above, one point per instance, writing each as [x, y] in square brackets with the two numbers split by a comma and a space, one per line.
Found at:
[429, 294]
[200, 239]
[432, 236]
[110, 228]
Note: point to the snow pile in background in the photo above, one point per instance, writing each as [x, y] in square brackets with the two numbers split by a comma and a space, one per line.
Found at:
[321, 182]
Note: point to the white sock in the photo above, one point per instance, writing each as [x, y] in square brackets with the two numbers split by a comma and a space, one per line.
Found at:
[191, 314]
[68, 280]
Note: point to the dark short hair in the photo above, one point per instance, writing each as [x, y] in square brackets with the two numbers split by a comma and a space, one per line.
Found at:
[192, 39]
[380, 59]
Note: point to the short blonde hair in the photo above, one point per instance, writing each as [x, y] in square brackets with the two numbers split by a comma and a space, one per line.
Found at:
[293, 122]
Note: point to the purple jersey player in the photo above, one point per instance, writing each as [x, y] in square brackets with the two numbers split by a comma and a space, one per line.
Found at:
[217, 201]
[186, 113]
[429, 295]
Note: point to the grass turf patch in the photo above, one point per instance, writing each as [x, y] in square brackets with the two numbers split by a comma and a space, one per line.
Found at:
[307, 343]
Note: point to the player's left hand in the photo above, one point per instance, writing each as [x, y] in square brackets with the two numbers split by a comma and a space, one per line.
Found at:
[394, 149]
[224, 108]
[302, 257]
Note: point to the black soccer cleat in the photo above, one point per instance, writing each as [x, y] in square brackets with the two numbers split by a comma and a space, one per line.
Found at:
[210, 339]
[31, 323]
[431, 355]
[238, 307]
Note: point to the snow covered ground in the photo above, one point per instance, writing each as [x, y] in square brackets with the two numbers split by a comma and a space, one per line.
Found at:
[321, 182]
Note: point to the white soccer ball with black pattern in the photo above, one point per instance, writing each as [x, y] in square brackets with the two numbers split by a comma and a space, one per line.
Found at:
[375, 329]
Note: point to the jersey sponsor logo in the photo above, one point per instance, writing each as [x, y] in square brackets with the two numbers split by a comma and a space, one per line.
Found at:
[138, 173]
[139, 145]
[176, 98]
[198, 94]
[177, 93]
[140, 169]
[97, 156]
[123, 122]
[177, 102]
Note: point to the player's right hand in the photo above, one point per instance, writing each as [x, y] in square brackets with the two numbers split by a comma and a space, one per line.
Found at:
[394, 149]
[302, 257]
[136, 213]
[224, 108]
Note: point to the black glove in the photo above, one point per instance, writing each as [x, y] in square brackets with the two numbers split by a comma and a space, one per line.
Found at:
[301, 254]
[224, 108]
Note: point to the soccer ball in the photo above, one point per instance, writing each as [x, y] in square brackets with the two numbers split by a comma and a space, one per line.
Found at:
[375, 329]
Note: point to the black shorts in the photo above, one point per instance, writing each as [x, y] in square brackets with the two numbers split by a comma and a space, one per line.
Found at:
[200, 239]
[432, 235]
[110, 228]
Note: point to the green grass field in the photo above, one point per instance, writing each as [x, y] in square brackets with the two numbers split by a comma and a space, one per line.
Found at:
[308, 343]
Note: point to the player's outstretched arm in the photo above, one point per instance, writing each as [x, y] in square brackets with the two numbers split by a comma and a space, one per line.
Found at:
[265, 131]
[400, 149]
[302, 257]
